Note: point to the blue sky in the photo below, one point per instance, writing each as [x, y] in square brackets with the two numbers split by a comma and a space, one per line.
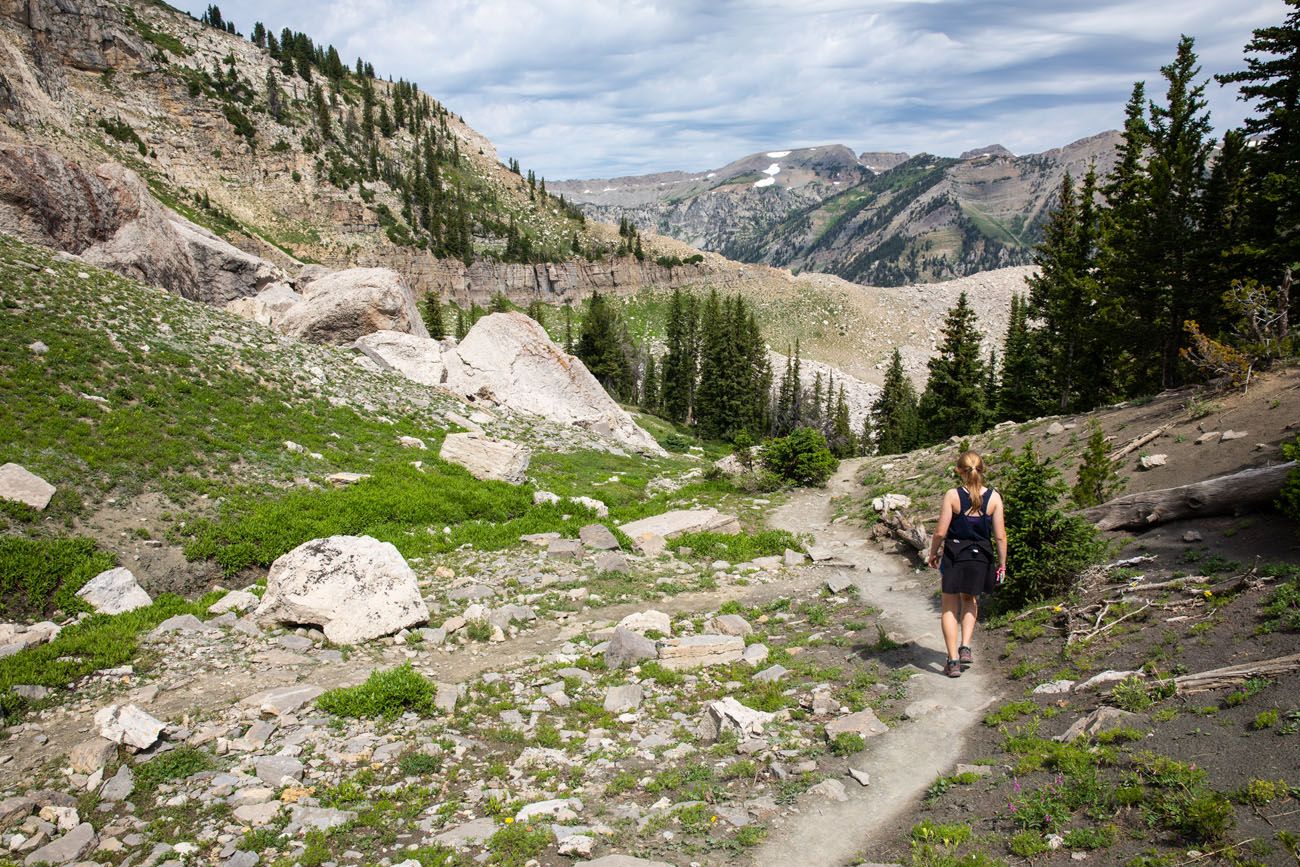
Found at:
[611, 87]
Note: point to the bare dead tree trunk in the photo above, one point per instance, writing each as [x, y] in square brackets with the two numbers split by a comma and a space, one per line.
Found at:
[1239, 492]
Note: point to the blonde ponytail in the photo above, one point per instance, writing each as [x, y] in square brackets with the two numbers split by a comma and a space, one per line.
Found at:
[970, 466]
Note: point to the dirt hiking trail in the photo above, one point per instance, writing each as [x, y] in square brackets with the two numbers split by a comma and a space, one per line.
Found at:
[941, 712]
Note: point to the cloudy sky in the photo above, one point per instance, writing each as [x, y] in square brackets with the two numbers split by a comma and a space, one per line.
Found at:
[600, 88]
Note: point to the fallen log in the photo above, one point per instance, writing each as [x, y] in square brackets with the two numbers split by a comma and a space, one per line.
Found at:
[1239, 492]
[1139, 442]
[1233, 675]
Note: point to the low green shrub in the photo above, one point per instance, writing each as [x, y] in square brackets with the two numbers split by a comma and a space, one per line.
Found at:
[385, 695]
[848, 744]
[38, 576]
[802, 458]
[737, 548]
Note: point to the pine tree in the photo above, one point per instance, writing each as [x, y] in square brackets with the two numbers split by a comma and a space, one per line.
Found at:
[953, 402]
[894, 414]
[601, 347]
[1098, 478]
[1022, 386]
[814, 403]
[500, 303]
[680, 362]
[462, 327]
[650, 385]
[716, 363]
[433, 319]
[841, 439]
[568, 328]
[537, 311]
[1271, 81]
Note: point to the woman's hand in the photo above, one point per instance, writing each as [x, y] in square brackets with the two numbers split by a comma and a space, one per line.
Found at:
[933, 560]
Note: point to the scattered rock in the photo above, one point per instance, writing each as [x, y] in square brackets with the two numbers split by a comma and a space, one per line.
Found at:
[864, 723]
[14, 810]
[487, 459]
[91, 755]
[598, 537]
[1192, 536]
[283, 700]
[772, 674]
[728, 624]
[1207, 437]
[645, 621]
[278, 770]
[1233, 435]
[21, 486]
[838, 583]
[1152, 461]
[860, 776]
[831, 790]
[468, 834]
[119, 787]
[1055, 687]
[558, 809]
[729, 715]
[612, 561]
[669, 525]
[694, 651]
[128, 724]
[355, 588]
[70, 847]
[1105, 677]
[623, 698]
[564, 549]
[411, 442]
[755, 654]
[235, 600]
[628, 648]
[1055, 429]
[794, 558]
[891, 503]
[114, 592]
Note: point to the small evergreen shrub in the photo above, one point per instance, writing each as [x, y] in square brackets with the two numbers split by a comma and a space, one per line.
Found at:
[1098, 479]
[40, 575]
[1046, 547]
[802, 458]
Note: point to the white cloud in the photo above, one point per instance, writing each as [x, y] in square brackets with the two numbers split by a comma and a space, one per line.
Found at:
[574, 88]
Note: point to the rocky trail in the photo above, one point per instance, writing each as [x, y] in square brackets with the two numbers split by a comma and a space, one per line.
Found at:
[941, 712]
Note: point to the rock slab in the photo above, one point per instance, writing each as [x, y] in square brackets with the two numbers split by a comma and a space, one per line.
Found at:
[487, 459]
[114, 592]
[695, 651]
[21, 486]
[128, 724]
[355, 588]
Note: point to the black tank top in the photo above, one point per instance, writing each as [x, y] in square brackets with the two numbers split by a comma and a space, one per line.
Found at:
[966, 526]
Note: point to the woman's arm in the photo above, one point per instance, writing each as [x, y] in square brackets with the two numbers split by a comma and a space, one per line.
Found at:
[941, 529]
[999, 528]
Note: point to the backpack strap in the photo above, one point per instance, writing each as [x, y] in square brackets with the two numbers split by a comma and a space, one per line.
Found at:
[963, 500]
[984, 511]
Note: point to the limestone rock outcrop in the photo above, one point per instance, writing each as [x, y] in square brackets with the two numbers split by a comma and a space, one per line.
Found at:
[355, 588]
[108, 218]
[508, 359]
[343, 306]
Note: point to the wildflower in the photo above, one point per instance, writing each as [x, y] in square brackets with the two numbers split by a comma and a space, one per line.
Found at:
[713, 819]
[510, 820]
[1208, 594]
[1057, 609]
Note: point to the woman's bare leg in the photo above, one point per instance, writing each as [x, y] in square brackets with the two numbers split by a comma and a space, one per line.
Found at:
[970, 609]
[951, 602]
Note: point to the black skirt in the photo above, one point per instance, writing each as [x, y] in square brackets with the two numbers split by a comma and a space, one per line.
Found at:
[971, 577]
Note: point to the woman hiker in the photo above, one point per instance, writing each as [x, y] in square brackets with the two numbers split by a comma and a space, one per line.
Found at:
[970, 521]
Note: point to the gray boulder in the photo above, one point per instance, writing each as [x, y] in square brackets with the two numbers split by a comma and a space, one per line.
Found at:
[347, 305]
[68, 848]
[628, 648]
[419, 359]
[598, 537]
[354, 588]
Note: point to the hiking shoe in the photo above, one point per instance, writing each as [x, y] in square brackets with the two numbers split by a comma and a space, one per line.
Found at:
[953, 668]
[965, 657]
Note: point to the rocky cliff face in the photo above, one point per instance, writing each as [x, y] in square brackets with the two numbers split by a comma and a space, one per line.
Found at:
[879, 218]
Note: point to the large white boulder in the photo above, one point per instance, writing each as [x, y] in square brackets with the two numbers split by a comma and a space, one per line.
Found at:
[487, 459]
[354, 588]
[22, 486]
[267, 306]
[509, 359]
[419, 359]
[345, 305]
[128, 724]
[114, 592]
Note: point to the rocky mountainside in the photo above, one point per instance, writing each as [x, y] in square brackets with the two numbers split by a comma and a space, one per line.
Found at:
[880, 218]
[280, 149]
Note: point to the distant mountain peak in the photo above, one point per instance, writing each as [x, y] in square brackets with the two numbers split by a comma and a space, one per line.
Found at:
[993, 150]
